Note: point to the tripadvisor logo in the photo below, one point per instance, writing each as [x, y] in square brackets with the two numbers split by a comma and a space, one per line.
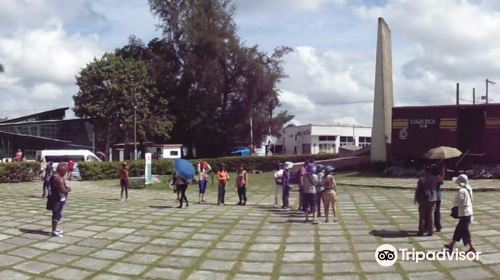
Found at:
[387, 255]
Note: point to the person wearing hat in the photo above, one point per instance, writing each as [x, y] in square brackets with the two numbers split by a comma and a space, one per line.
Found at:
[329, 194]
[463, 200]
[286, 184]
[223, 178]
[309, 189]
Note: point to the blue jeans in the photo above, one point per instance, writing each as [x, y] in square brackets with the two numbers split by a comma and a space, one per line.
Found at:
[202, 185]
[222, 192]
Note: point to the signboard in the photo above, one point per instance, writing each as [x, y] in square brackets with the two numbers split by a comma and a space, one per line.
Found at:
[148, 177]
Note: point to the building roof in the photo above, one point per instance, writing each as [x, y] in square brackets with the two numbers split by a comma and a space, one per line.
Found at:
[56, 114]
[330, 125]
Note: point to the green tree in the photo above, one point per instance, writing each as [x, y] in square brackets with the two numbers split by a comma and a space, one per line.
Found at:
[110, 88]
[220, 83]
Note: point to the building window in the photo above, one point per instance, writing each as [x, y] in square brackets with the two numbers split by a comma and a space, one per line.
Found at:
[365, 141]
[48, 130]
[326, 148]
[346, 140]
[327, 138]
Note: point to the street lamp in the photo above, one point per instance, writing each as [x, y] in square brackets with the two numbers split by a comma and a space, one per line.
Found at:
[486, 96]
[135, 130]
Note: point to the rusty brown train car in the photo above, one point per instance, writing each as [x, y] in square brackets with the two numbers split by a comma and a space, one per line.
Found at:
[473, 129]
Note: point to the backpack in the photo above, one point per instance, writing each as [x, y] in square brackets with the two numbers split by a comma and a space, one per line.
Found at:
[294, 177]
[52, 194]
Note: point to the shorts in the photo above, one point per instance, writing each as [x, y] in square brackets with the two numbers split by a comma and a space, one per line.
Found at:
[57, 211]
[309, 202]
[124, 183]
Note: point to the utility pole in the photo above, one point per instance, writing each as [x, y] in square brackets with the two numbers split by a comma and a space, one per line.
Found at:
[135, 128]
[474, 96]
[458, 94]
[251, 134]
[488, 82]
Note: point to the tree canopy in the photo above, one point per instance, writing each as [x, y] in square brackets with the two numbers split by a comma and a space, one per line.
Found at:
[110, 88]
[201, 82]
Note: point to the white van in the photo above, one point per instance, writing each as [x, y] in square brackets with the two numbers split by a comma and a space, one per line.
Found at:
[57, 156]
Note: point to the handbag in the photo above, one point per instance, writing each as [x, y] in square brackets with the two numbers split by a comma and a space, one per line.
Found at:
[454, 212]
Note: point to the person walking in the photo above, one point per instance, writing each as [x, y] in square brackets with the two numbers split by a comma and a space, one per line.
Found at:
[319, 187]
[203, 169]
[124, 182]
[310, 182]
[329, 194]
[301, 175]
[286, 185]
[181, 186]
[241, 185]
[463, 201]
[222, 178]
[58, 196]
[420, 198]
[437, 172]
[278, 180]
[429, 183]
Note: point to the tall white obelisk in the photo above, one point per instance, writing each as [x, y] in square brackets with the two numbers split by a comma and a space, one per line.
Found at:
[382, 106]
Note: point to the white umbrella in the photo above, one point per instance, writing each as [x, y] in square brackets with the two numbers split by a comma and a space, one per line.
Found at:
[442, 152]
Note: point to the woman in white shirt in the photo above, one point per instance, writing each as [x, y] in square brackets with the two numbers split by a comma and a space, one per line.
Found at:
[463, 201]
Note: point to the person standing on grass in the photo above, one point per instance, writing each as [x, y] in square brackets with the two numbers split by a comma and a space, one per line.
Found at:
[124, 181]
[310, 182]
[286, 185]
[58, 196]
[71, 167]
[222, 178]
[241, 185]
[203, 169]
[463, 200]
[278, 180]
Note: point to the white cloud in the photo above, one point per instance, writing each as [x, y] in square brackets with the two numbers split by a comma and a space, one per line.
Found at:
[323, 87]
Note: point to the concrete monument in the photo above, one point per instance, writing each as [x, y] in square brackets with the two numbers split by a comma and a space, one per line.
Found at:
[383, 97]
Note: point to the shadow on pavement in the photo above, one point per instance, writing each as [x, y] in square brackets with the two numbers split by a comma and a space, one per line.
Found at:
[160, 206]
[393, 233]
[34, 231]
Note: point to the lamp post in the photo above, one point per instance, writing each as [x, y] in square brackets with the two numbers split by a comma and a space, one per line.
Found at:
[135, 130]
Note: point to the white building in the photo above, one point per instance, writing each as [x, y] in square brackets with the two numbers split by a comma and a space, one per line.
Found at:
[313, 139]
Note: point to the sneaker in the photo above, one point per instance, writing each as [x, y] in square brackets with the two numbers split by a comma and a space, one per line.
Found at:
[315, 221]
[56, 234]
[60, 230]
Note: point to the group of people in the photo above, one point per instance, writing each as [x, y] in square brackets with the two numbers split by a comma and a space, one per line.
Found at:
[316, 185]
[180, 184]
[428, 196]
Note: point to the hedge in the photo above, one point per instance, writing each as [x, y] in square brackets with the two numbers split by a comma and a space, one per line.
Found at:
[13, 172]
[110, 170]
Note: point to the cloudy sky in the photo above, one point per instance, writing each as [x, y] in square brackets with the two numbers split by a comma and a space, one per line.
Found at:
[436, 43]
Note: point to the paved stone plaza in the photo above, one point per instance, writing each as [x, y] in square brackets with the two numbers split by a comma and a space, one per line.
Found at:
[147, 237]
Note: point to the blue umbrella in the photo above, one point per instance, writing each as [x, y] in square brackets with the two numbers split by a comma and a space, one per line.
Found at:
[184, 169]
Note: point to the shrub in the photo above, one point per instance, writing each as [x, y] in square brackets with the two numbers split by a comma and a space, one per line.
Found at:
[109, 170]
[13, 172]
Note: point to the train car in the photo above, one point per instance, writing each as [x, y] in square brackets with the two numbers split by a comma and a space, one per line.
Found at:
[473, 129]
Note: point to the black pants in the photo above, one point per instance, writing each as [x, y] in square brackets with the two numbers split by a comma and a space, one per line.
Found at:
[45, 187]
[182, 189]
[462, 230]
[286, 196]
[242, 194]
[437, 215]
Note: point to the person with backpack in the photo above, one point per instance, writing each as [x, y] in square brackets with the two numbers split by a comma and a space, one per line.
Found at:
[58, 197]
[463, 202]
[223, 178]
[310, 183]
[241, 185]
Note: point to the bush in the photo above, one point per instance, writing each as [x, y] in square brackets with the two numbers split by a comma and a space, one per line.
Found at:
[13, 172]
[110, 170]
